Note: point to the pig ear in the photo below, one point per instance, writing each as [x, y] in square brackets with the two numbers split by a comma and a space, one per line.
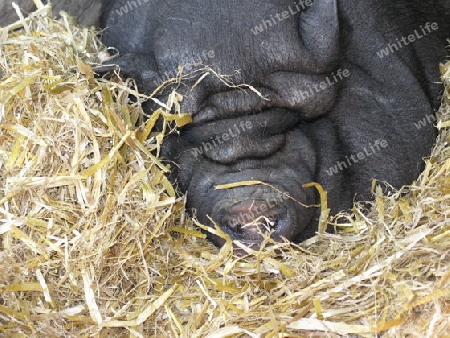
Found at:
[319, 31]
[139, 66]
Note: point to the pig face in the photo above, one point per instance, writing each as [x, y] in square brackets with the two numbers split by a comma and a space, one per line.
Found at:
[316, 91]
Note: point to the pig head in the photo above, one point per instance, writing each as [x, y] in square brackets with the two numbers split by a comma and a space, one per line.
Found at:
[334, 92]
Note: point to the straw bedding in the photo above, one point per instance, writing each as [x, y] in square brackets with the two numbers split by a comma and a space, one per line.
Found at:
[94, 240]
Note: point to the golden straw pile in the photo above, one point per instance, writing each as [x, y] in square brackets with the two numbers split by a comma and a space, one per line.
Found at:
[95, 242]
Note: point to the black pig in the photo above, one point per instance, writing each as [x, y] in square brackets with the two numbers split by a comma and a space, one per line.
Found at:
[342, 92]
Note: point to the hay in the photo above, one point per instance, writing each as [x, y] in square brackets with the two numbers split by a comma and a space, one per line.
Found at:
[95, 242]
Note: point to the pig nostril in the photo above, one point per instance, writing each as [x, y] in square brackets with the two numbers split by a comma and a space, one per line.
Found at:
[249, 220]
[262, 223]
[234, 225]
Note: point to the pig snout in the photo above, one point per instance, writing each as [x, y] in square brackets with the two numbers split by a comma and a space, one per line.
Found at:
[250, 220]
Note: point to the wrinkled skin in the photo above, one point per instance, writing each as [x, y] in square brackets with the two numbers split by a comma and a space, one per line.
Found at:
[287, 139]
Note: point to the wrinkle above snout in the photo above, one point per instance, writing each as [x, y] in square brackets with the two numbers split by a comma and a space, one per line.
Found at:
[231, 140]
[310, 95]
